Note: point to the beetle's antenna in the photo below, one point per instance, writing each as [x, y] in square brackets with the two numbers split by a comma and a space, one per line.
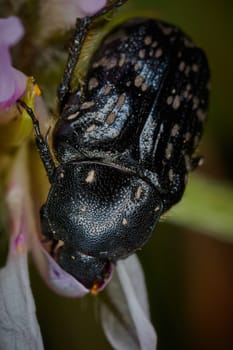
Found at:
[81, 29]
[41, 143]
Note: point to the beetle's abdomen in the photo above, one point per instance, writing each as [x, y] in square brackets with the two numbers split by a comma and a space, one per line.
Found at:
[143, 105]
[147, 84]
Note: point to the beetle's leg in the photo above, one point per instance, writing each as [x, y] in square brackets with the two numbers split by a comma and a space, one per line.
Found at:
[41, 143]
[81, 29]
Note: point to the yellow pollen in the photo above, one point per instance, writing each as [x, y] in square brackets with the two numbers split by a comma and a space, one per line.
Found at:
[37, 90]
[95, 289]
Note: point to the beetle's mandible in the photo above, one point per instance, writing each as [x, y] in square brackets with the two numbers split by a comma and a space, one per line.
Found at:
[125, 143]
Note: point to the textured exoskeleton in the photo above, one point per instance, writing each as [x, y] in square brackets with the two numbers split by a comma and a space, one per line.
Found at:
[125, 145]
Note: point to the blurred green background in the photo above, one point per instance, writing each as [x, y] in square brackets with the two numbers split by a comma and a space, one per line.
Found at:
[189, 274]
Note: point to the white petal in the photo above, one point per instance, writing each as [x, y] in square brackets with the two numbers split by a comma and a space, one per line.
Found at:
[125, 318]
[18, 324]
[61, 281]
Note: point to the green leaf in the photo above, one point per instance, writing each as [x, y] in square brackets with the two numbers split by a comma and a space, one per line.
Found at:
[207, 206]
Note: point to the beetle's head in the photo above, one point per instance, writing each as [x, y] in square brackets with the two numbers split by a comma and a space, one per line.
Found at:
[89, 270]
[101, 214]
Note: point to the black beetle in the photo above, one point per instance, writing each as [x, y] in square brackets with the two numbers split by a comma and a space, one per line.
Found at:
[125, 143]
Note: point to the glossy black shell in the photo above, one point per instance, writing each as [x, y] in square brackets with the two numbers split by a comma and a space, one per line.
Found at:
[125, 144]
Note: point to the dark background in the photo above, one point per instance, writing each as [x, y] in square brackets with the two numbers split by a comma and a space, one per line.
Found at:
[189, 275]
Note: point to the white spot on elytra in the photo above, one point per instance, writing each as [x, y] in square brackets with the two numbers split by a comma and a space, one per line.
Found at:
[195, 102]
[137, 66]
[111, 118]
[168, 151]
[176, 102]
[138, 80]
[73, 116]
[59, 244]
[201, 161]
[175, 130]
[187, 136]
[188, 43]
[169, 100]
[120, 101]
[138, 192]
[91, 128]
[122, 60]
[93, 83]
[158, 53]
[144, 87]
[187, 70]
[201, 115]
[171, 175]
[151, 53]
[107, 90]
[196, 141]
[124, 221]
[148, 40]
[188, 164]
[90, 176]
[195, 67]
[87, 105]
[181, 66]
[185, 94]
[167, 30]
[112, 63]
[142, 53]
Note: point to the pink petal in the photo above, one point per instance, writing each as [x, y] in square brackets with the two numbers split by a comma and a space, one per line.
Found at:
[129, 327]
[11, 31]
[12, 82]
[7, 81]
[20, 84]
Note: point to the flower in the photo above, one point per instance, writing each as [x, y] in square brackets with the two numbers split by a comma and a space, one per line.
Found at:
[13, 82]
[18, 324]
